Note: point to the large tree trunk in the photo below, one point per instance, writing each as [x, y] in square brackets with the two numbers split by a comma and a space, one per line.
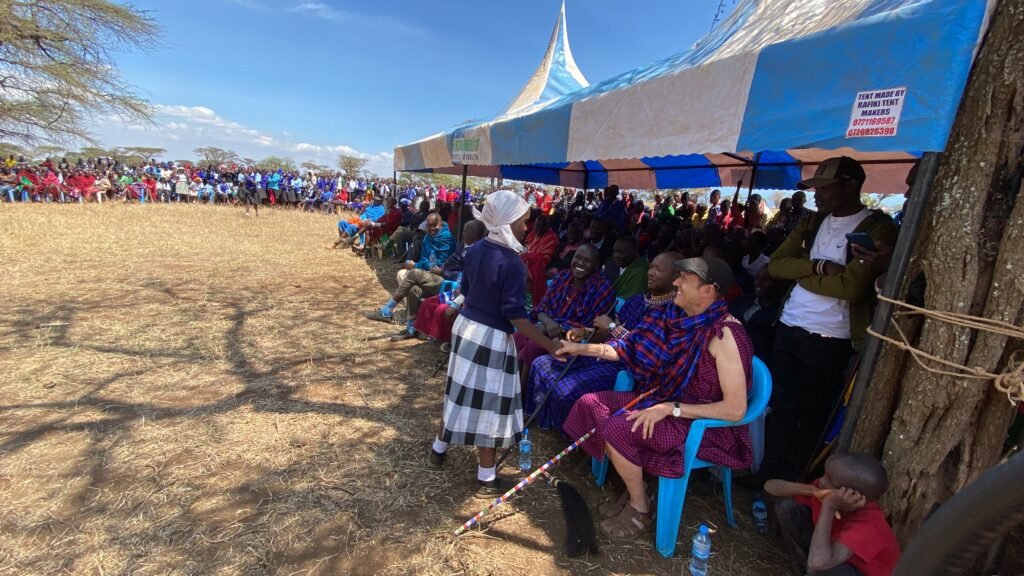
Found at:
[945, 431]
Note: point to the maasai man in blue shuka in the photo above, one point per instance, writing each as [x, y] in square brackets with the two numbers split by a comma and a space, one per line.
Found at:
[575, 298]
[438, 245]
[590, 374]
[347, 231]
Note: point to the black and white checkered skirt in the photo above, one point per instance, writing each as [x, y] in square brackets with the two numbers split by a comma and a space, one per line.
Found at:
[483, 405]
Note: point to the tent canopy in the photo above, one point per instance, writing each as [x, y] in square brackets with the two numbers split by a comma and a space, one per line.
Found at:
[556, 76]
[783, 83]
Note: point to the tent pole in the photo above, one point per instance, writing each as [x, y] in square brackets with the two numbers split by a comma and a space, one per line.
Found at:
[753, 175]
[893, 281]
[462, 200]
[586, 178]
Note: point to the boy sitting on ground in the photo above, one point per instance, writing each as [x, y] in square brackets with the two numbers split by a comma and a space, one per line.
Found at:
[834, 526]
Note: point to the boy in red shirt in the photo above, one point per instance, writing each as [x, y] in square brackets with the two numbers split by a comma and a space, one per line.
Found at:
[834, 525]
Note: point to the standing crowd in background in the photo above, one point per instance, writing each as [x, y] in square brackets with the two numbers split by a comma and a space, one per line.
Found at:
[105, 180]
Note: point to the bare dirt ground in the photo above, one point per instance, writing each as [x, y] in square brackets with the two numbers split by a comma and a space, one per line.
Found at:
[189, 391]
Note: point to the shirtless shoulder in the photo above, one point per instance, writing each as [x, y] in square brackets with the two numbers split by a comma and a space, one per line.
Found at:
[724, 340]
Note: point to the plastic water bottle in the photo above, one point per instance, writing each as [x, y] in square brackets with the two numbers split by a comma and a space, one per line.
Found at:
[760, 513]
[525, 451]
[433, 260]
[700, 552]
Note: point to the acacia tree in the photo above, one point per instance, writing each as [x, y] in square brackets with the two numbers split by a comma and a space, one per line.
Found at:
[314, 167]
[351, 165]
[276, 162]
[57, 68]
[937, 433]
[216, 156]
[9, 149]
[94, 152]
[46, 151]
[145, 152]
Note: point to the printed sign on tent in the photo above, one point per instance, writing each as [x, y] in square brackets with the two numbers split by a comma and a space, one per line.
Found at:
[465, 150]
[876, 113]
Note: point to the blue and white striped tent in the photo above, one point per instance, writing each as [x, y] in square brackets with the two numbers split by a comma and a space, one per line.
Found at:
[785, 83]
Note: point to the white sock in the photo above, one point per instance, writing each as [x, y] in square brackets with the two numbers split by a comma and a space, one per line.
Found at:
[440, 447]
[486, 474]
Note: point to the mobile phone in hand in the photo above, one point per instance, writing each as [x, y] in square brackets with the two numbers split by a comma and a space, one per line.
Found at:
[861, 239]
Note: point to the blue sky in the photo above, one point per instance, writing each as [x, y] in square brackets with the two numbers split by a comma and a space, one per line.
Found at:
[312, 79]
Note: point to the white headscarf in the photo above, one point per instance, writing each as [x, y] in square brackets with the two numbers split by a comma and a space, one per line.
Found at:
[501, 209]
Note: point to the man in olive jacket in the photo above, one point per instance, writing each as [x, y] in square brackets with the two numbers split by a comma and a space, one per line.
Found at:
[825, 317]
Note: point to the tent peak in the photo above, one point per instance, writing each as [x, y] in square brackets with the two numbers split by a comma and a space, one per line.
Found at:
[557, 74]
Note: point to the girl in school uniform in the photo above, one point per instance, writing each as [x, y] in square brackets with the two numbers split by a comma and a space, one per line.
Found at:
[483, 405]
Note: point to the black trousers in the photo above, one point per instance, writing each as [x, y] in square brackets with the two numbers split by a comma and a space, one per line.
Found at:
[809, 372]
[797, 528]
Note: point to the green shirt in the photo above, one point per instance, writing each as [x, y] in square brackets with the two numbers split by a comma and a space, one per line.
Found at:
[633, 279]
[791, 261]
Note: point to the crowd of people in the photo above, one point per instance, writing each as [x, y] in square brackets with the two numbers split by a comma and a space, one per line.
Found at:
[681, 294]
[105, 180]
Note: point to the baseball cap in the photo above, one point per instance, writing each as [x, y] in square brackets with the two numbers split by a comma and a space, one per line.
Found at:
[834, 170]
[710, 270]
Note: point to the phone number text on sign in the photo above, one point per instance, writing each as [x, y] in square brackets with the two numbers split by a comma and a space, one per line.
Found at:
[876, 113]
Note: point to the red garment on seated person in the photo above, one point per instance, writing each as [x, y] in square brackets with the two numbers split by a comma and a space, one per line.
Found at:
[539, 251]
[662, 454]
[430, 320]
[865, 532]
[391, 220]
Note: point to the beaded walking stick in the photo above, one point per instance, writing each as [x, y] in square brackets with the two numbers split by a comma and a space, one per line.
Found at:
[547, 465]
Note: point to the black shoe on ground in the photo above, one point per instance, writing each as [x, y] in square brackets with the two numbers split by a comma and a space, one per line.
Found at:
[378, 316]
[494, 488]
[402, 336]
[435, 460]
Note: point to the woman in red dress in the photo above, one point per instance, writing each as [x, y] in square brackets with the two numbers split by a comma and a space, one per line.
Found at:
[541, 244]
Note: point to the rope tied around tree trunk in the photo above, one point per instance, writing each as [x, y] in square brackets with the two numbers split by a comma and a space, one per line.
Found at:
[1009, 382]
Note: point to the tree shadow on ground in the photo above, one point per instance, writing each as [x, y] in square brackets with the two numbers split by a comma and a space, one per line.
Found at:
[184, 423]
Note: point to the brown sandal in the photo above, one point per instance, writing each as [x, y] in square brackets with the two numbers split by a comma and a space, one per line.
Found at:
[627, 525]
[612, 508]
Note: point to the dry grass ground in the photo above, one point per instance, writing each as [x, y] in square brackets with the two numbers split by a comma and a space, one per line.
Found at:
[188, 391]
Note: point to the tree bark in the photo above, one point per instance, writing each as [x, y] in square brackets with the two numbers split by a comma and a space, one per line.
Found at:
[945, 431]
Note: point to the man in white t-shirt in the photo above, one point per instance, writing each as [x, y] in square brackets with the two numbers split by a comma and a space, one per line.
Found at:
[825, 317]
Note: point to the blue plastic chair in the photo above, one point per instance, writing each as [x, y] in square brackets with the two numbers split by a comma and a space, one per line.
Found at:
[672, 491]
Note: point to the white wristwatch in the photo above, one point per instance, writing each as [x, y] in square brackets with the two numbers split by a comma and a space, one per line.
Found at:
[612, 326]
[676, 410]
